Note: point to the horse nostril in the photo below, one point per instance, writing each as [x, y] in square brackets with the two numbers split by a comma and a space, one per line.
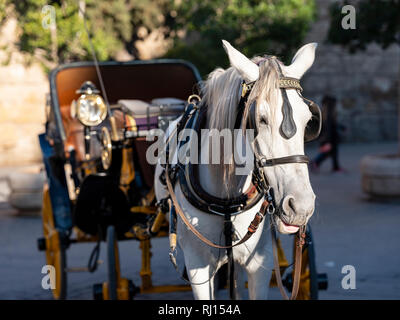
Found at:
[288, 206]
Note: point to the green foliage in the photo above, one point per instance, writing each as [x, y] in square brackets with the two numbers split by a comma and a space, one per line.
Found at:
[275, 27]
[112, 24]
[3, 10]
[377, 21]
[253, 26]
[70, 40]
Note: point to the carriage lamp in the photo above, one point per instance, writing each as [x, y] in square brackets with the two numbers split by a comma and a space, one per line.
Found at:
[90, 107]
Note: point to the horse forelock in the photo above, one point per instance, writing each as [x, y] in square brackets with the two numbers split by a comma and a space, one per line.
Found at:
[221, 94]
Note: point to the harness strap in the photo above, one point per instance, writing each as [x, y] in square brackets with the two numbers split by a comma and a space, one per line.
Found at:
[256, 221]
[264, 162]
[297, 265]
[228, 231]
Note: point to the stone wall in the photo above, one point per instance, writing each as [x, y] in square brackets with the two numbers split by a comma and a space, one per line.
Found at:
[365, 84]
[22, 102]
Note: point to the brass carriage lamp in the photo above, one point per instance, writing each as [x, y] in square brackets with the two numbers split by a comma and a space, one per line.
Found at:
[90, 110]
[90, 107]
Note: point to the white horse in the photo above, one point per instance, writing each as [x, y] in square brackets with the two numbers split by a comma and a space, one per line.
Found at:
[293, 193]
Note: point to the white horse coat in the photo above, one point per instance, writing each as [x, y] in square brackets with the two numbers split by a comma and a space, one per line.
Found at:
[293, 192]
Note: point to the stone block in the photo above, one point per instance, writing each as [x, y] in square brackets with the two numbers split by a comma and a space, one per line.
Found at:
[4, 190]
[381, 175]
[26, 182]
[26, 190]
[26, 201]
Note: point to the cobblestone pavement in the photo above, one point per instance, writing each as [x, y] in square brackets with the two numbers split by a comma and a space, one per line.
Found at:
[348, 230]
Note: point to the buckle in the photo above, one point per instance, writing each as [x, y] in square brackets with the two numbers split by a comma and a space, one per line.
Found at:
[264, 162]
[194, 98]
[244, 89]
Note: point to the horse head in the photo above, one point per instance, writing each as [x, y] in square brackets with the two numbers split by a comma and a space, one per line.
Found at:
[283, 120]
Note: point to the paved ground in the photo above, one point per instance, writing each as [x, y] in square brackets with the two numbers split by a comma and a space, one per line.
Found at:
[348, 230]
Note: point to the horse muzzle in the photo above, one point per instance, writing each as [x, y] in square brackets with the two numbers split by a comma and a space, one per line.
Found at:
[291, 214]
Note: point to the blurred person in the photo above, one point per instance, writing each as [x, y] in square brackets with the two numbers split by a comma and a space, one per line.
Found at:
[329, 138]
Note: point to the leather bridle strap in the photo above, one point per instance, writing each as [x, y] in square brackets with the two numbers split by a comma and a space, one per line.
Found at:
[264, 162]
[300, 236]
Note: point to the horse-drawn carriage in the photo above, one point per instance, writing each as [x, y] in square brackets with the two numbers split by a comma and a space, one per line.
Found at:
[99, 185]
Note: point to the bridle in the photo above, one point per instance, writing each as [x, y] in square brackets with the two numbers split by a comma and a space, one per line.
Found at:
[287, 130]
[247, 115]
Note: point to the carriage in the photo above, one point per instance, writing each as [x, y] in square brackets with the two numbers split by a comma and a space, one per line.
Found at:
[99, 185]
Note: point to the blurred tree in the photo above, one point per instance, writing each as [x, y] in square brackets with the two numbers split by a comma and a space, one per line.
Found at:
[378, 21]
[197, 27]
[3, 7]
[113, 26]
[253, 26]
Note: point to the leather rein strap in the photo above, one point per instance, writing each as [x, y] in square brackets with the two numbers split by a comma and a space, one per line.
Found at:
[300, 236]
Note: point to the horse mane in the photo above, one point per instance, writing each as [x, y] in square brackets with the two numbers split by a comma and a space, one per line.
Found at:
[221, 94]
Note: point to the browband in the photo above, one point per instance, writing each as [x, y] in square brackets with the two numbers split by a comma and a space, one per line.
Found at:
[290, 83]
[284, 83]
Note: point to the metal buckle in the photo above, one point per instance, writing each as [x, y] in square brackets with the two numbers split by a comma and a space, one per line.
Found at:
[244, 89]
[270, 199]
[194, 97]
[263, 162]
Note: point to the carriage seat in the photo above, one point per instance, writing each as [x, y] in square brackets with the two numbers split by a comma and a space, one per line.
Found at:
[155, 114]
[149, 115]
[156, 107]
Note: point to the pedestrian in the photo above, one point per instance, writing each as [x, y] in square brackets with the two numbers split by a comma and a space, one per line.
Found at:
[329, 138]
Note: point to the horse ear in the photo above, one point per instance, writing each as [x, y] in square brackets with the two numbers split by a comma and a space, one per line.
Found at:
[247, 69]
[302, 60]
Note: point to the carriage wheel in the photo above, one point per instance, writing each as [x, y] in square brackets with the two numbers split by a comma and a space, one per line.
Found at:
[308, 289]
[112, 263]
[54, 244]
